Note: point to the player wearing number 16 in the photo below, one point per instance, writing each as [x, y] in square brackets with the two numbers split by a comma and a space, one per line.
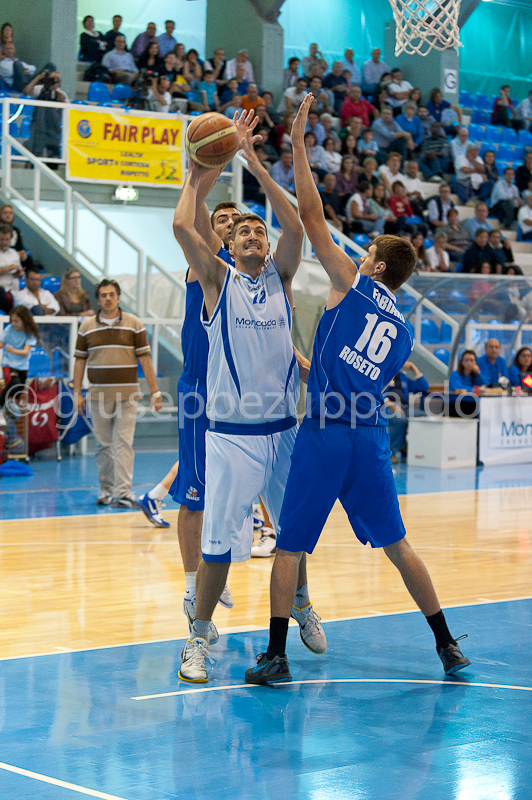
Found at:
[342, 449]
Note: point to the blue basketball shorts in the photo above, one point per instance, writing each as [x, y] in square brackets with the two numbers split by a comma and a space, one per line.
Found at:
[188, 488]
[340, 462]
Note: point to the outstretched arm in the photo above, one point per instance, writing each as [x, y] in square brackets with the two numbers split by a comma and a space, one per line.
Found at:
[337, 264]
[209, 269]
[288, 252]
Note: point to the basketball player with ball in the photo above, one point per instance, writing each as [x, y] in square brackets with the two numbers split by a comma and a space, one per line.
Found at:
[252, 385]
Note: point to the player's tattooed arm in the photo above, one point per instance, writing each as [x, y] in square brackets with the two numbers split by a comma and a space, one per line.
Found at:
[337, 264]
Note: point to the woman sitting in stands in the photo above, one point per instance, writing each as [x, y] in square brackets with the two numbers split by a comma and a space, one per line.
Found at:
[346, 178]
[467, 376]
[422, 259]
[521, 368]
[379, 205]
[73, 300]
[92, 44]
[151, 60]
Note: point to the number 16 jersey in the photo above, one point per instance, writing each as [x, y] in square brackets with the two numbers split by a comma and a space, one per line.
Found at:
[360, 345]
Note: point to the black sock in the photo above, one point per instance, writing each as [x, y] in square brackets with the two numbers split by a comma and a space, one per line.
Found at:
[440, 630]
[278, 633]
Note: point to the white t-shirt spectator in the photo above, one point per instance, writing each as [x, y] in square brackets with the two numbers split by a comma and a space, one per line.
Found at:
[230, 70]
[155, 105]
[296, 99]
[434, 259]
[525, 212]
[411, 184]
[8, 280]
[28, 299]
[359, 200]
[384, 169]
[333, 161]
[458, 149]
[404, 86]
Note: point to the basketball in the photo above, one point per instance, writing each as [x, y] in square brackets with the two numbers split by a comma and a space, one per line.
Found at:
[211, 140]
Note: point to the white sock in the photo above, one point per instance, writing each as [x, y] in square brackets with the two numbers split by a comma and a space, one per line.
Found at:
[201, 628]
[158, 492]
[302, 599]
[190, 585]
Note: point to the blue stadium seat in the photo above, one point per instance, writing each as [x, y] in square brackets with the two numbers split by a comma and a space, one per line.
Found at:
[501, 166]
[466, 99]
[79, 103]
[51, 283]
[428, 243]
[492, 134]
[106, 105]
[446, 333]
[430, 333]
[519, 236]
[525, 138]
[194, 113]
[456, 294]
[509, 136]
[414, 220]
[361, 239]
[518, 164]
[258, 209]
[406, 302]
[476, 134]
[479, 118]
[506, 152]
[39, 366]
[25, 128]
[13, 129]
[519, 153]
[489, 146]
[483, 102]
[21, 283]
[98, 93]
[122, 92]
[443, 354]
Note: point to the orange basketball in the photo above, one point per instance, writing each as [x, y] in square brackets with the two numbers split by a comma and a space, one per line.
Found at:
[211, 140]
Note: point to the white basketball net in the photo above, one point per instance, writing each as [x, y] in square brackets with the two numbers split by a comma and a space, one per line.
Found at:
[421, 25]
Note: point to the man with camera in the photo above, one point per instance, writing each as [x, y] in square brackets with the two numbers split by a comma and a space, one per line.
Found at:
[46, 86]
[45, 130]
[120, 63]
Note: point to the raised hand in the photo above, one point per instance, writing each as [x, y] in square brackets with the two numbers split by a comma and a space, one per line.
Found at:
[246, 122]
[300, 123]
[249, 153]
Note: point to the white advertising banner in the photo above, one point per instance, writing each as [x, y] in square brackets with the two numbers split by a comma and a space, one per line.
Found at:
[505, 430]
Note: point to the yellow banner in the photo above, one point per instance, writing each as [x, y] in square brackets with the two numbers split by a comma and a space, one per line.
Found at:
[118, 148]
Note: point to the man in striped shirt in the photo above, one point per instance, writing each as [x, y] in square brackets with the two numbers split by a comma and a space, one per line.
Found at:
[112, 344]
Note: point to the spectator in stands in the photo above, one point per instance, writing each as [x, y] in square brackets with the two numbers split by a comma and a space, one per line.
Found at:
[366, 145]
[40, 301]
[270, 151]
[478, 252]
[315, 155]
[252, 98]
[13, 72]
[333, 159]
[111, 34]
[284, 130]
[159, 97]
[492, 174]
[410, 123]
[293, 96]
[437, 105]
[166, 40]
[380, 99]
[323, 98]
[505, 200]
[391, 171]
[7, 217]
[226, 92]
[397, 400]
[217, 64]
[180, 54]
[422, 260]
[481, 287]
[438, 255]
[142, 41]
[480, 220]
[426, 121]
[360, 217]
[10, 267]
[73, 300]
[119, 62]
[235, 106]
[113, 344]
[291, 73]
[399, 90]
[242, 58]
[414, 187]
[349, 147]
[283, 171]
[350, 64]
[390, 136]
[459, 144]
[150, 58]
[207, 94]
[346, 178]
[355, 105]
[503, 108]
[6, 33]
[192, 69]
[314, 58]
[354, 128]
[337, 84]
[332, 133]
[415, 97]
[398, 202]
[521, 367]
[458, 238]
[369, 171]
[267, 99]
[524, 219]
[372, 72]
[314, 125]
[500, 250]
[332, 204]
[523, 174]
[440, 206]
[434, 154]
[92, 44]
[523, 112]
[378, 204]
[470, 174]
[492, 365]
[467, 376]
[16, 340]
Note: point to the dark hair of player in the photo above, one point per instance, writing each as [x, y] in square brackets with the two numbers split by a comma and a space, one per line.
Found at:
[221, 206]
[246, 218]
[399, 257]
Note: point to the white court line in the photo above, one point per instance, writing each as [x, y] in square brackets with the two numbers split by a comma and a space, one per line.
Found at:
[55, 782]
[334, 680]
[253, 628]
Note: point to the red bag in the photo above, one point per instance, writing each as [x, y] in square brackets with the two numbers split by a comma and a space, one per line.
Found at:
[42, 421]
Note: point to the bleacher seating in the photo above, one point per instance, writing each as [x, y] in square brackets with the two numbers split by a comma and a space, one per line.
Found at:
[122, 92]
[51, 283]
[508, 135]
[476, 134]
[443, 354]
[39, 366]
[480, 117]
[492, 134]
[430, 333]
[99, 93]
[466, 99]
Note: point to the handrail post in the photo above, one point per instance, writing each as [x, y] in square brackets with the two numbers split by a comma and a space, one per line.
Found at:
[36, 188]
[106, 251]
[141, 293]
[155, 348]
[417, 327]
[68, 220]
[238, 189]
[74, 225]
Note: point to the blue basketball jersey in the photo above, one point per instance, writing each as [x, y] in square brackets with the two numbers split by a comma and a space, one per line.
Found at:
[194, 339]
[360, 346]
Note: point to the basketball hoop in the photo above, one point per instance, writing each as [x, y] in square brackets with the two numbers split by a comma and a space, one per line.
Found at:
[423, 25]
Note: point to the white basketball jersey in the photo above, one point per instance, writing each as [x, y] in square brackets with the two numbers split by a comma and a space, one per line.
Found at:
[252, 373]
